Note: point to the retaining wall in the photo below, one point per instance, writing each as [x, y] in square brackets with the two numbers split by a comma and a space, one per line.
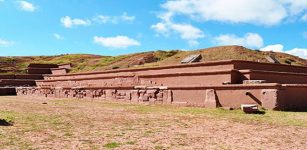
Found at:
[212, 84]
[270, 96]
[275, 77]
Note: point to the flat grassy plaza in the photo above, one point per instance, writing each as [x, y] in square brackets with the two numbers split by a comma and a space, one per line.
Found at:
[38, 123]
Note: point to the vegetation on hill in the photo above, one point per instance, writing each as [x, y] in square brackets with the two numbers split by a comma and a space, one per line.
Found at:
[85, 62]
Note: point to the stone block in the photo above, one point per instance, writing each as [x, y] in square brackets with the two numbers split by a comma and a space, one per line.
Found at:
[211, 99]
[249, 108]
[134, 96]
[169, 97]
[253, 81]
[269, 98]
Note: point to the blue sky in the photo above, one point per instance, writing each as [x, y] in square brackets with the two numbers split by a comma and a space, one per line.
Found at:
[105, 27]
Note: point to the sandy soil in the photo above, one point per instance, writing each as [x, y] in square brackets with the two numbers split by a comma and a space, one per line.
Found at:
[86, 124]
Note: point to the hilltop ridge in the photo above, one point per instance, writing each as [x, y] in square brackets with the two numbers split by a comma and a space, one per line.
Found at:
[87, 62]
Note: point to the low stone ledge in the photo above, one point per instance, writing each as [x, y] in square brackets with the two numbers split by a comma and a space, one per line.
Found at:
[249, 71]
[228, 86]
[254, 81]
[209, 63]
[212, 72]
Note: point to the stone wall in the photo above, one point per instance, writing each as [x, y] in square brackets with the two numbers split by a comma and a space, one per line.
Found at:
[213, 84]
[154, 95]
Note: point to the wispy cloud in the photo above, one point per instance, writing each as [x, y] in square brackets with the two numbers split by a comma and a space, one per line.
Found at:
[5, 43]
[57, 36]
[117, 42]
[68, 22]
[126, 17]
[114, 19]
[26, 6]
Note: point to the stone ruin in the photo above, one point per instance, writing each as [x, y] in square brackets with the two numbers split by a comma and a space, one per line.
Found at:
[8, 82]
[227, 84]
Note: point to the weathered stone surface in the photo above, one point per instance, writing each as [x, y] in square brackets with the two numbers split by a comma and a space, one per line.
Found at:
[269, 98]
[253, 81]
[198, 84]
[169, 96]
[211, 99]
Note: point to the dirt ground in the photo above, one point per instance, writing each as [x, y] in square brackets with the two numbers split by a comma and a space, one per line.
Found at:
[85, 124]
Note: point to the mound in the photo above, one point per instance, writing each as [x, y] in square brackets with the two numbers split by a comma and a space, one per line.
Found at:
[86, 62]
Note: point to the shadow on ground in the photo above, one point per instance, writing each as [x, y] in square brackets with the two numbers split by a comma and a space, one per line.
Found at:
[3, 122]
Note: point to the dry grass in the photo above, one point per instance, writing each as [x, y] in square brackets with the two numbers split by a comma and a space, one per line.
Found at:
[86, 124]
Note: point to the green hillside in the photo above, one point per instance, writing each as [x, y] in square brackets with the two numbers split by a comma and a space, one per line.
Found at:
[86, 62]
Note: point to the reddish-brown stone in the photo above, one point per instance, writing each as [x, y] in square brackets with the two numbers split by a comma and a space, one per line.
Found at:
[282, 87]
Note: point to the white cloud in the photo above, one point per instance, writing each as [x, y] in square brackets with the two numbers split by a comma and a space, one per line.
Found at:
[273, 48]
[26, 6]
[270, 12]
[114, 19]
[116, 42]
[251, 40]
[5, 43]
[300, 52]
[57, 36]
[294, 6]
[186, 32]
[69, 22]
[261, 12]
[160, 28]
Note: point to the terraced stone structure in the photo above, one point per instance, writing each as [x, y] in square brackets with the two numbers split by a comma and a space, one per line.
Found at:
[208, 84]
[9, 82]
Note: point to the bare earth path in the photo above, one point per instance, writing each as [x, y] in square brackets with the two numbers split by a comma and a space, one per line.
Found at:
[86, 124]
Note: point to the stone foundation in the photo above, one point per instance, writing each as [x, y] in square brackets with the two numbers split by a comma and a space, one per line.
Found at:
[153, 95]
[214, 84]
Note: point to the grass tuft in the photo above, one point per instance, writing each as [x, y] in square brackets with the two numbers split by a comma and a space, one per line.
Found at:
[111, 145]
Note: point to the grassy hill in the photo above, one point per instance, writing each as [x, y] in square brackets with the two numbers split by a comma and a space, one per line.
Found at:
[85, 62]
